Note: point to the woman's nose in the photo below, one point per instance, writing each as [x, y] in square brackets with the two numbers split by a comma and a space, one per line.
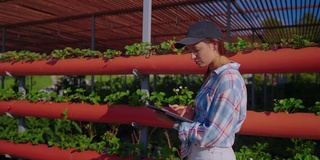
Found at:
[193, 56]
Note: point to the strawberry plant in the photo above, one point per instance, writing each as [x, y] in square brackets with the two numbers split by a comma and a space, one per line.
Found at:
[316, 108]
[67, 133]
[302, 149]
[6, 56]
[182, 96]
[93, 98]
[58, 54]
[9, 94]
[287, 105]
[111, 53]
[265, 46]
[79, 96]
[296, 42]
[255, 152]
[115, 98]
[37, 130]
[111, 139]
[90, 53]
[168, 46]
[8, 128]
[36, 95]
[157, 98]
[238, 46]
[138, 98]
[137, 49]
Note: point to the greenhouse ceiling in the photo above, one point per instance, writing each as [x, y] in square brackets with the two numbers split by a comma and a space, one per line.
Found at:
[42, 26]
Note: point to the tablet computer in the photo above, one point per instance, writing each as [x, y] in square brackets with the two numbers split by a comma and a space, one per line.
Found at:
[169, 113]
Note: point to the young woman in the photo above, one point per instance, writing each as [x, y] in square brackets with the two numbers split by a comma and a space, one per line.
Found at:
[221, 103]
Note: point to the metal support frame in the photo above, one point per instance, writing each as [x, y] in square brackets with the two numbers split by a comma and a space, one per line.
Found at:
[252, 92]
[93, 28]
[22, 120]
[154, 83]
[22, 88]
[265, 83]
[146, 37]
[144, 88]
[252, 83]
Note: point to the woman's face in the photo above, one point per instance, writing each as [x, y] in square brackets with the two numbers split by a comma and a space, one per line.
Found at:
[202, 53]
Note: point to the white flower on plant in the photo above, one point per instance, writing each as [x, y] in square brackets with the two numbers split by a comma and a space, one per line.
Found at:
[180, 87]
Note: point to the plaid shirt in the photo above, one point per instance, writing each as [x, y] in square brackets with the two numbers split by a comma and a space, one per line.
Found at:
[220, 109]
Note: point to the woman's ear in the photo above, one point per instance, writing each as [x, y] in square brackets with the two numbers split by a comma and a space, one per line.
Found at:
[214, 45]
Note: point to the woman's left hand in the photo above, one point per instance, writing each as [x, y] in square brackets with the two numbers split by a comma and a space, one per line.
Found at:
[184, 111]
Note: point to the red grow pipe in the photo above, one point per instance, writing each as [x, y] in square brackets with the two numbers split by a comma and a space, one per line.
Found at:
[270, 124]
[41, 151]
[122, 114]
[281, 61]
[156, 64]
[297, 125]
[284, 60]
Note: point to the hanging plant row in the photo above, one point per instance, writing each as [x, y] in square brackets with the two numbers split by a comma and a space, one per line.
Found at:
[41, 104]
[281, 61]
[69, 112]
[147, 49]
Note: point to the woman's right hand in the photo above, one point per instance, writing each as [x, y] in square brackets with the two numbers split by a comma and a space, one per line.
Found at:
[184, 111]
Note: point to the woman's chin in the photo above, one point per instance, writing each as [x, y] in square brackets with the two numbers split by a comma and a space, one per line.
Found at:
[201, 65]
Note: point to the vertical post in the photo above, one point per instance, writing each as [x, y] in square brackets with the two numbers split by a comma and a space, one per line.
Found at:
[22, 89]
[154, 75]
[93, 28]
[125, 83]
[154, 83]
[229, 21]
[252, 92]
[252, 84]
[22, 120]
[2, 81]
[146, 28]
[3, 50]
[146, 37]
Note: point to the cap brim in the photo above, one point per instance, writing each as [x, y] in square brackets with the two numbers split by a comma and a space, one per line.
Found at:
[187, 41]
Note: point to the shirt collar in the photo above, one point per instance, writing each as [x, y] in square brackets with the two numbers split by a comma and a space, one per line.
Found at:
[232, 65]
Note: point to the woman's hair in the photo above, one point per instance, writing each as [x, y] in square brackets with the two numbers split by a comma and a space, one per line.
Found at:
[221, 49]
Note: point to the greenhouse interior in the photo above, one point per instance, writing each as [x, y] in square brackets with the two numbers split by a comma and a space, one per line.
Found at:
[75, 76]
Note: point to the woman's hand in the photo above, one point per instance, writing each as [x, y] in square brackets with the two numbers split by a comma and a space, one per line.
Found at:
[184, 111]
